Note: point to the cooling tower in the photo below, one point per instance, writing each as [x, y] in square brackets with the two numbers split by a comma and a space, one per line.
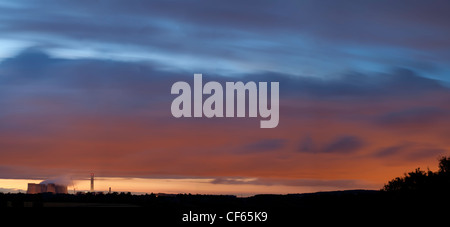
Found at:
[36, 188]
[60, 189]
[44, 188]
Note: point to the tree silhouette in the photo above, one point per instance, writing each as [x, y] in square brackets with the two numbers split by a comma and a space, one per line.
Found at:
[444, 165]
[421, 181]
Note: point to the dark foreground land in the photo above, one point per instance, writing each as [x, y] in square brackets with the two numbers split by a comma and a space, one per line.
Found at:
[294, 208]
[416, 196]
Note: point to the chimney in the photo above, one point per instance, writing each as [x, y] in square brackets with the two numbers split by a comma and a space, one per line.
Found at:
[92, 182]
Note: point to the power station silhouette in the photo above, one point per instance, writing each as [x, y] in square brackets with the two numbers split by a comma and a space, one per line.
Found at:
[54, 188]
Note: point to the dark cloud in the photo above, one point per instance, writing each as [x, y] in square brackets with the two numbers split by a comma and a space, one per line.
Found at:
[426, 116]
[345, 144]
[307, 145]
[410, 151]
[82, 85]
[10, 190]
[400, 83]
[34, 65]
[327, 18]
[392, 150]
[343, 183]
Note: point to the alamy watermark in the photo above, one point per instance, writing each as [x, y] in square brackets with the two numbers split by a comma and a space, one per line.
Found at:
[213, 105]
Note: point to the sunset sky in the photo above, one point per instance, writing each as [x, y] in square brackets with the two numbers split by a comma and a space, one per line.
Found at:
[85, 87]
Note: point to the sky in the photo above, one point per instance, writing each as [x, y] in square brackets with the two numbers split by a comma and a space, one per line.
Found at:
[85, 87]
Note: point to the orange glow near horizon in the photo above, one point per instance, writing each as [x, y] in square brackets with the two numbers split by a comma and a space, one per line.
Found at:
[168, 186]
